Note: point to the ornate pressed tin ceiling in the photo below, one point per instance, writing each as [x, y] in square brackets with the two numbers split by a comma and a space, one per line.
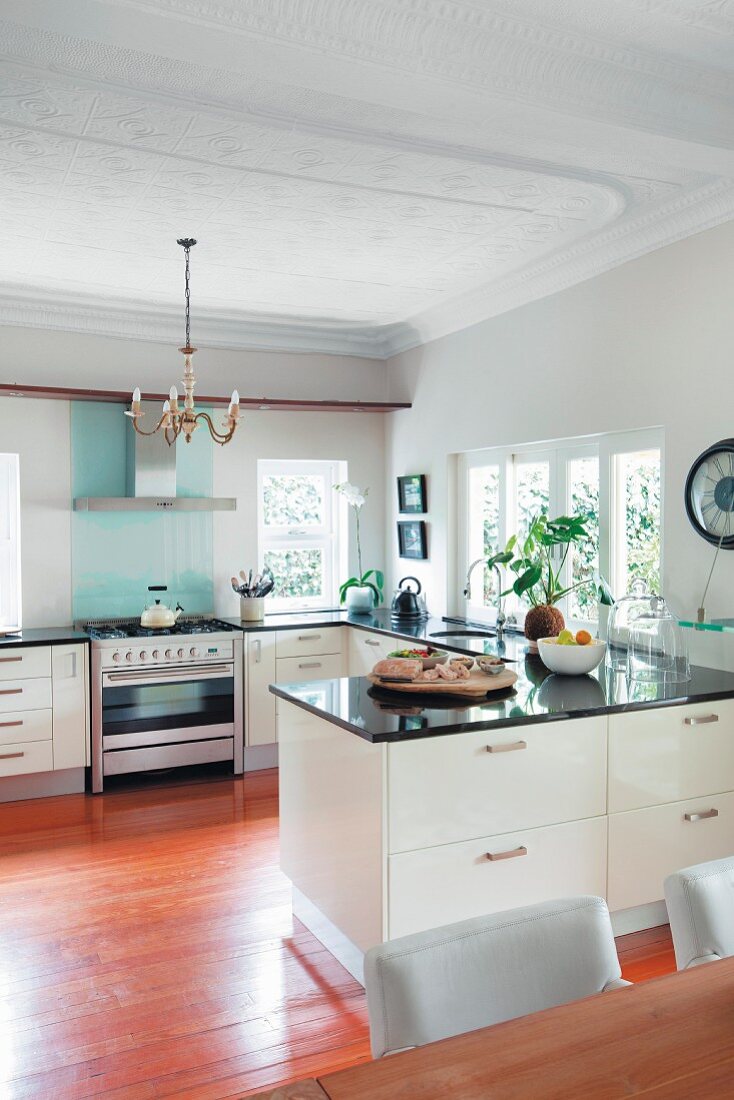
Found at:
[361, 175]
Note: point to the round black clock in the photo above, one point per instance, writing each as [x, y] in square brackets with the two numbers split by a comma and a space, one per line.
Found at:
[710, 494]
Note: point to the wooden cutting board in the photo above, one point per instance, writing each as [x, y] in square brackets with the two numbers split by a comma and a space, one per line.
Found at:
[479, 684]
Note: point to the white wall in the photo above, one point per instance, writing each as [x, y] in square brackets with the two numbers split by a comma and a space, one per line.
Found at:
[649, 343]
[38, 431]
[358, 439]
[35, 357]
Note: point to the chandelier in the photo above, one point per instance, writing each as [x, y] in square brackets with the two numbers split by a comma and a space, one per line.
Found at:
[176, 421]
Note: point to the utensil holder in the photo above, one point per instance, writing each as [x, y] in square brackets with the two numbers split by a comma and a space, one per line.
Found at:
[252, 609]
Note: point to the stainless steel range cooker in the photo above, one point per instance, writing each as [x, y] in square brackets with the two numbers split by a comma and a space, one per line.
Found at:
[165, 698]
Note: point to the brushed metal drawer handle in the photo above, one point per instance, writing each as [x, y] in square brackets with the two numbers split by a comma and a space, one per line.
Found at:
[11, 691]
[512, 854]
[700, 720]
[368, 641]
[8, 660]
[18, 722]
[11, 755]
[310, 664]
[512, 746]
[702, 816]
[308, 637]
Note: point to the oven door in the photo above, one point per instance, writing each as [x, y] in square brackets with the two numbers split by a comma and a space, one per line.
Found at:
[160, 706]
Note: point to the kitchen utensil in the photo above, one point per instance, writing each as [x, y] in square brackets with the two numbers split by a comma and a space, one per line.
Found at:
[158, 616]
[571, 660]
[657, 651]
[405, 602]
[478, 684]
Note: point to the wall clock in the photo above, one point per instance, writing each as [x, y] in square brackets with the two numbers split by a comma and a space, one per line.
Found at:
[709, 494]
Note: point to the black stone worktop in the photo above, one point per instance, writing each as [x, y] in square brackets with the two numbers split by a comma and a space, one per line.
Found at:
[48, 635]
[538, 696]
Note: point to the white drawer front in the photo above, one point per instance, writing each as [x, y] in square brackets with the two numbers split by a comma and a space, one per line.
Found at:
[308, 640]
[23, 662]
[296, 670]
[25, 695]
[26, 725]
[668, 754]
[24, 757]
[366, 649]
[647, 845]
[455, 881]
[447, 789]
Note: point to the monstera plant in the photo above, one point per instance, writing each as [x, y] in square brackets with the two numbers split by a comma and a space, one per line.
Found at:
[539, 569]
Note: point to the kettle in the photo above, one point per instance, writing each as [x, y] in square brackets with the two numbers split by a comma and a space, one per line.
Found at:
[157, 616]
[405, 602]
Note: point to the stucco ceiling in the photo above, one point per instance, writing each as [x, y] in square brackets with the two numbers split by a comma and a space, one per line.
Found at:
[361, 175]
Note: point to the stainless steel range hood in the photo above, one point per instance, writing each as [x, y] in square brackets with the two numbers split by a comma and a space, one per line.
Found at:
[151, 479]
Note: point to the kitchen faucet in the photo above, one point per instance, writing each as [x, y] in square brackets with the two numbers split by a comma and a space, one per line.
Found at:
[501, 617]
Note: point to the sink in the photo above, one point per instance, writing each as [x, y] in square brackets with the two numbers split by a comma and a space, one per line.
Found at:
[463, 634]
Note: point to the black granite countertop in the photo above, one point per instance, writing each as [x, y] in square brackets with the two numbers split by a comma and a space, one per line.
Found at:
[538, 696]
[48, 635]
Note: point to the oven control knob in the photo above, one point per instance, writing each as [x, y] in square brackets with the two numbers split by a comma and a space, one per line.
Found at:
[116, 657]
[156, 654]
[143, 655]
[129, 655]
[169, 654]
[194, 651]
[180, 653]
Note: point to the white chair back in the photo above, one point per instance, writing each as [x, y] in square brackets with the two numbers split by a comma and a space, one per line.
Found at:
[700, 902]
[464, 976]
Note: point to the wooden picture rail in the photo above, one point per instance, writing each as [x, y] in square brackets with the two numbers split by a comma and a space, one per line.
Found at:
[263, 404]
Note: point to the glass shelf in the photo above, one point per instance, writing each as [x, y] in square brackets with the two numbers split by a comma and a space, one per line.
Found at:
[719, 626]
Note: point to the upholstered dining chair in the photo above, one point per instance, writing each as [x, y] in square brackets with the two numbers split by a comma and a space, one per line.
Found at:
[464, 976]
[700, 902]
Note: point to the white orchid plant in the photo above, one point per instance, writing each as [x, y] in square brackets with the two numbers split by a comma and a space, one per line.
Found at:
[356, 498]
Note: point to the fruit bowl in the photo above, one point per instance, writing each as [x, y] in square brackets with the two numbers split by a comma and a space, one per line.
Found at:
[571, 660]
[430, 657]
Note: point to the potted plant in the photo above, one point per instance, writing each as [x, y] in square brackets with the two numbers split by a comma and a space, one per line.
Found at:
[365, 591]
[539, 577]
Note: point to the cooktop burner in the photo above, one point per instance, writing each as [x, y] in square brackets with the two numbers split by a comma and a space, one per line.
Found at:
[133, 629]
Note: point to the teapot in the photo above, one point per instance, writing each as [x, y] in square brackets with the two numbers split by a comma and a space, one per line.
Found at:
[158, 616]
[405, 602]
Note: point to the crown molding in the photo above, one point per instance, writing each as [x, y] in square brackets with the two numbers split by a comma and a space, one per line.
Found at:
[629, 239]
[139, 321]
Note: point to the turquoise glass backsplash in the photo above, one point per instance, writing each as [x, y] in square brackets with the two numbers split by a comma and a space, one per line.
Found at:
[116, 555]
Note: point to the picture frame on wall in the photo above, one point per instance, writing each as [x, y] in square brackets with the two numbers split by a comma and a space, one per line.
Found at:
[412, 541]
[412, 493]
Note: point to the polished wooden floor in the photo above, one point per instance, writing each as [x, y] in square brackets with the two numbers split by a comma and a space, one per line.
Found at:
[147, 949]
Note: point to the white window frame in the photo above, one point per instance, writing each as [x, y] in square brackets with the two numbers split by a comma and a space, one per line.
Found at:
[608, 447]
[328, 537]
[10, 574]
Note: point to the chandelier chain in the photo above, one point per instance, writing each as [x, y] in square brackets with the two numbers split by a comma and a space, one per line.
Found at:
[187, 244]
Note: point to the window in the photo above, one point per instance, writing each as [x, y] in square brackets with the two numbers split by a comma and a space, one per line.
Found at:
[10, 601]
[614, 479]
[298, 525]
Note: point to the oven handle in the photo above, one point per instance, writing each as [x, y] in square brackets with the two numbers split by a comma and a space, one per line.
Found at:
[169, 675]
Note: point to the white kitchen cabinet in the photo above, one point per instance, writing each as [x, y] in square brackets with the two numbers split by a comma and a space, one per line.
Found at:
[647, 845]
[315, 666]
[26, 725]
[24, 662]
[308, 641]
[366, 649]
[260, 650]
[26, 757]
[452, 882]
[452, 788]
[670, 753]
[32, 694]
[69, 677]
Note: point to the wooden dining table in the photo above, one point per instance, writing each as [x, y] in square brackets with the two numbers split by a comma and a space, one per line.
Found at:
[667, 1039]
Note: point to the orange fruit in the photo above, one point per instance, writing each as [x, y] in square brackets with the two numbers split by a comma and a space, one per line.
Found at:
[583, 637]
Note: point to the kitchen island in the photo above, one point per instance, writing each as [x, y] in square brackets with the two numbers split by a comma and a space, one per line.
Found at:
[397, 817]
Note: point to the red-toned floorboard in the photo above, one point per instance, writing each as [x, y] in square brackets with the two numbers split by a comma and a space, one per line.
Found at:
[147, 949]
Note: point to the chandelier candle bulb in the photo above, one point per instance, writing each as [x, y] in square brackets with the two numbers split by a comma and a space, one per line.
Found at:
[173, 397]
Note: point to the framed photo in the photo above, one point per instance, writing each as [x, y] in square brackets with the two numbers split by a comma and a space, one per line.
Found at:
[412, 538]
[412, 493]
